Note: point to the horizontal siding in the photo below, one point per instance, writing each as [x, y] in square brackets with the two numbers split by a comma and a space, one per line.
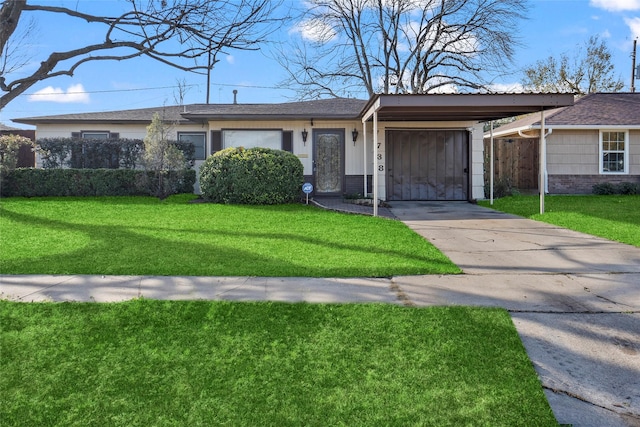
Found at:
[573, 152]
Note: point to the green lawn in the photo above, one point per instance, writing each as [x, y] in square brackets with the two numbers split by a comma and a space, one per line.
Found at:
[205, 363]
[612, 217]
[145, 236]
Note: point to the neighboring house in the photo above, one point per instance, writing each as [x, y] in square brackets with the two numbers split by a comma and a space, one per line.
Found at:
[26, 155]
[426, 147]
[594, 141]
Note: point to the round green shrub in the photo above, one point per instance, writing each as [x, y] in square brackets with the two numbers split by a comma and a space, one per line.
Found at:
[254, 176]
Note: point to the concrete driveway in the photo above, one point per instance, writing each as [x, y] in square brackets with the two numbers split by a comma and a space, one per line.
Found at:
[574, 299]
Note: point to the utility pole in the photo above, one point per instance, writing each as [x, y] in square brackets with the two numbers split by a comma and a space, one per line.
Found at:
[633, 66]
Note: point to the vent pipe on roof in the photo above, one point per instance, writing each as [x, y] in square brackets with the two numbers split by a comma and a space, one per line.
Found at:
[235, 96]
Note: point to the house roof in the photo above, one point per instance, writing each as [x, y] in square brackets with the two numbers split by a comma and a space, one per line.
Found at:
[334, 108]
[5, 128]
[432, 107]
[595, 111]
[142, 115]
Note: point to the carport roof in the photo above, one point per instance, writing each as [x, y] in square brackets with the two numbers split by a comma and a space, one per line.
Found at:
[453, 107]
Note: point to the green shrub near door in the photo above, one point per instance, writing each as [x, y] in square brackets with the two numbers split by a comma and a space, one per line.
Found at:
[255, 176]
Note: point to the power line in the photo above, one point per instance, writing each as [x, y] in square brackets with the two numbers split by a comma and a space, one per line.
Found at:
[156, 88]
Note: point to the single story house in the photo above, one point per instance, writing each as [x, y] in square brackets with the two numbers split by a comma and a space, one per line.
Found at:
[596, 140]
[394, 147]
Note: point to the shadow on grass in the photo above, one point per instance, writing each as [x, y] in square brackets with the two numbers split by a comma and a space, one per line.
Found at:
[116, 250]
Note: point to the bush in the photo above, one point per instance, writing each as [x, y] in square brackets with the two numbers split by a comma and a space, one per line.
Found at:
[28, 182]
[9, 152]
[502, 187]
[624, 188]
[257, 176]
[110, 153]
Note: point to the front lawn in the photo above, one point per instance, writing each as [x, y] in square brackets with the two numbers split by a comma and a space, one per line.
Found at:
[204, 363]
[145, 236]
[611, 217]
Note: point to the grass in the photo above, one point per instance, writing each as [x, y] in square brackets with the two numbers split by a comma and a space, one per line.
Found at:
[611, 217]
[176, 363]
[145, 236]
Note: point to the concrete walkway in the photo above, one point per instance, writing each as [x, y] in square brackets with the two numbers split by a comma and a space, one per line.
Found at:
[574, 298]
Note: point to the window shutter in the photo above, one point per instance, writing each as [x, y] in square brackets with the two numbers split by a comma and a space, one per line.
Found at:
[216, 141]
[287, 140]
[77, 135]
[114, 135]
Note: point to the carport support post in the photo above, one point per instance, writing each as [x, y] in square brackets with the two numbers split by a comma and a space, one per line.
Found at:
[543, 161]
[364, 137]
[491, 166]
[375, 163]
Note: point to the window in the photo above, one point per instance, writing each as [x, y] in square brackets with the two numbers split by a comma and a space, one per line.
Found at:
[614, 152]
[252, 138]
[95, 135]
[198, 141]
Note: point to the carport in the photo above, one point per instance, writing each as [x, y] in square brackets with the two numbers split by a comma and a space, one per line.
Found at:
[428, 164]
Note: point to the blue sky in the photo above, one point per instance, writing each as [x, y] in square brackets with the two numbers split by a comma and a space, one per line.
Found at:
[554, 27]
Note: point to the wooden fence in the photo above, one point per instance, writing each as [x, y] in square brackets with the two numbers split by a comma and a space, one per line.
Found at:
[515, 159]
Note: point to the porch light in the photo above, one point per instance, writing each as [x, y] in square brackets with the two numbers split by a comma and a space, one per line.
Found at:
[354, 134]
[305, 134]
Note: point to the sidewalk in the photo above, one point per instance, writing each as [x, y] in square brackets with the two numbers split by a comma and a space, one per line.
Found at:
[574, 298]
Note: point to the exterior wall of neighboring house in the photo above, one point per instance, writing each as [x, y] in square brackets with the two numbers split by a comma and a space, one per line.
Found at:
[574, 161]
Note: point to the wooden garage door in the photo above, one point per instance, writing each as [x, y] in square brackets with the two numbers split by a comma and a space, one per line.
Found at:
[427, 164]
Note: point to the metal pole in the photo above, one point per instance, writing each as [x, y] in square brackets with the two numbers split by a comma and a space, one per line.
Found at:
[543, 161]
[375, 163]
[364, 136]
[491, 167]
[633, 66]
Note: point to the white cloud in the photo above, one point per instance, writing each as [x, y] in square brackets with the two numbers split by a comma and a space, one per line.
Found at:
[616, 5]
[506, 88]
[230, 59]
[74, 94]
[634, 25]
[315, 30]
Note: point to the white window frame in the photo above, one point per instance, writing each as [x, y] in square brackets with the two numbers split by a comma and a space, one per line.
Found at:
[204, 142]
[602, 152]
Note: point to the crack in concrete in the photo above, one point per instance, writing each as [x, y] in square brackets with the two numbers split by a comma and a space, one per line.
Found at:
[629, 415]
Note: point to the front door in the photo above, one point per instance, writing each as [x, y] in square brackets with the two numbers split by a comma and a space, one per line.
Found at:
[328, 161]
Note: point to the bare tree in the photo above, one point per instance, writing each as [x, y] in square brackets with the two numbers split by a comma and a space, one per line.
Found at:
[589, 70]
[401, 46]
[178, 33]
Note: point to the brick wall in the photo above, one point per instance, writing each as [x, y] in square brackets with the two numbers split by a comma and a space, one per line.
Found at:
[583, 184]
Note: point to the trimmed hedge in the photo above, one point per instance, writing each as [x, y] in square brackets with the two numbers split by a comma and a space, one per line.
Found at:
[78, 153]
[256, 176]
[29, 182]
[623, 188]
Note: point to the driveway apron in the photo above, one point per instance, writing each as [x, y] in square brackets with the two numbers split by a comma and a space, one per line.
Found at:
[574, 299]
